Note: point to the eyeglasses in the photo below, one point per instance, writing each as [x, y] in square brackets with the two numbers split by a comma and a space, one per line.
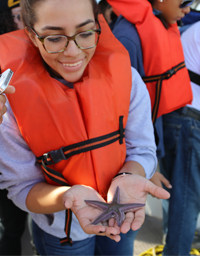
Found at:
[17, 16]
[58, 43]
[186, 3]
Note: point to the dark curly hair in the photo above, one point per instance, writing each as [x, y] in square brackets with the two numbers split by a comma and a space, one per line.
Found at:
[7, 23]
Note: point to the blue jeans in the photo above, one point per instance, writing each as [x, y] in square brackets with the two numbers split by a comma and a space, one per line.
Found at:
[181, 165]
[47, 244]
[12, 226]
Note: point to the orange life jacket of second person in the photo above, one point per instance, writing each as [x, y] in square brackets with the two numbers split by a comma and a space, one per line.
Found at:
[76, 132]
[166, 78]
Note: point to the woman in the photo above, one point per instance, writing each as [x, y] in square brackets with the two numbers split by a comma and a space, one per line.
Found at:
[12, 219]
[70, 105]
[8, 22]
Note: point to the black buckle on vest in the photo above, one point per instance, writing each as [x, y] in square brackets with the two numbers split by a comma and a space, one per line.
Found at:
[54, 157]
[171, 72]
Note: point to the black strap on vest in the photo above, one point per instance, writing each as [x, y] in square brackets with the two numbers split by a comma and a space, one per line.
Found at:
[65, 153]
[194, 77]
[159, 79]
[60, 179]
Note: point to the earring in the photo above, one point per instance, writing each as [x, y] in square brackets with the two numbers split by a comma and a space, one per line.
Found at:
[161, 1]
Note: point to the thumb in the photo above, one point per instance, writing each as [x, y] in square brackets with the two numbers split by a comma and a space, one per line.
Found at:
[10, 89]
[68, 199]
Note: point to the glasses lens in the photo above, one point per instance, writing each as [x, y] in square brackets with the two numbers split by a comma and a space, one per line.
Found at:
[55, 43]
[87, 39]
[19, 17]
[186, 3]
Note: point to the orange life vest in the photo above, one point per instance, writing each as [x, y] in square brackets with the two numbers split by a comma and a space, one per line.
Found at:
[167, 78]
[51, 116]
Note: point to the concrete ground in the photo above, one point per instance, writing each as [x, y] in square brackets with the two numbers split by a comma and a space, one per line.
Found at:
[149, 236]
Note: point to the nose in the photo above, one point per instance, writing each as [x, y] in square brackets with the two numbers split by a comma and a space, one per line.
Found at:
[72, 49]
[186, 10]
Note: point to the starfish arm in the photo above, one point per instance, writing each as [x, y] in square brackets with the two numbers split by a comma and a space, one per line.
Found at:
[116, 196]
[103, 217]
[128, 207]
[97, 204]
[119, 217]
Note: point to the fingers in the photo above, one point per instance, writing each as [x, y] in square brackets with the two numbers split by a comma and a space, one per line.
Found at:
[156, 191]
[2, 100]
[10, 89]
[165, 181]
[138, 220]
[158, 179]
[126, 226]
[133, 221]
[3, 108]
[116, 237]
[111, 232]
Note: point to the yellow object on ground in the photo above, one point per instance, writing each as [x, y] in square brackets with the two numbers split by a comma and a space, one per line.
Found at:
[157, 251]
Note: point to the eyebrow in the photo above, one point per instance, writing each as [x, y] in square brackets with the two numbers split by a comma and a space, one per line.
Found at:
[61, 28]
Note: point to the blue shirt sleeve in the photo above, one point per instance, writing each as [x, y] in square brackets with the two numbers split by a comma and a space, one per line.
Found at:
[127, 34]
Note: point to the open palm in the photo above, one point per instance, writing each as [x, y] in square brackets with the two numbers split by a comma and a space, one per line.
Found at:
[75, 198]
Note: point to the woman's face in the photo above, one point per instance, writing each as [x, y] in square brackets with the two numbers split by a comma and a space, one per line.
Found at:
[16, 13]
[171, 10]
[65, 17]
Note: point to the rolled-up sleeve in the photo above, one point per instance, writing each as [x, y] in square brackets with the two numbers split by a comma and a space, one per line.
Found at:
[139, 134]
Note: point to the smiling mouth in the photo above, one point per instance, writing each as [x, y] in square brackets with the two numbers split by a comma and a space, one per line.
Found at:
[72, 64]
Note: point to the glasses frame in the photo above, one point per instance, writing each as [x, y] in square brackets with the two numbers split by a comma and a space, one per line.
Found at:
[186, 3]
[70, 38]
[17, 16]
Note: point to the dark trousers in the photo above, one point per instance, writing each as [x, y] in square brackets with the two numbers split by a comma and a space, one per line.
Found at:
[181, 166]
[12, 226]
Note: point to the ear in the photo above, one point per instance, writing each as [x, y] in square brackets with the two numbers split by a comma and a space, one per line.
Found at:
[158, 4]
[31, 36]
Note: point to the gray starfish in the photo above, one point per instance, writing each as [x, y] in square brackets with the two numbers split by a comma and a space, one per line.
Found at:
[113, 209]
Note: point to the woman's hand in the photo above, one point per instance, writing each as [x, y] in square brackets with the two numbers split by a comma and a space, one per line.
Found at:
[158, 179]
[9, 90]
[134, 189]
[74, 199]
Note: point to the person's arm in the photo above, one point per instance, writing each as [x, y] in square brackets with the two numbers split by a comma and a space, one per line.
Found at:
[139, 133]
[18, 167]
[22, 174]
[9, 90]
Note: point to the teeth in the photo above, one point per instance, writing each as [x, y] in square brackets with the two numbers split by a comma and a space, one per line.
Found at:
[72, 65]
